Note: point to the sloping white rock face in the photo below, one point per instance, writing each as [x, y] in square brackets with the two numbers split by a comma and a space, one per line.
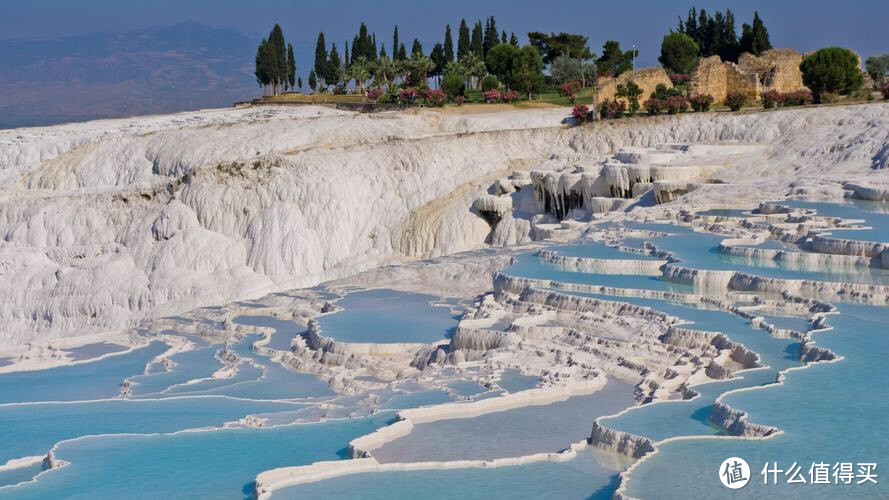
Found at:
[106, 223]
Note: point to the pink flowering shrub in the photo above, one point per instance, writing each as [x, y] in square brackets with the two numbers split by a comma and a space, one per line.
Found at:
[408, 95]
[772, 99]
[492, 95]
[459, 100]
[612, 109]
[676, 104]
[510, 96]
[374, 93]
[701, 102]
[435, 97]
[735, 100]
[580, 113]
[655, 106]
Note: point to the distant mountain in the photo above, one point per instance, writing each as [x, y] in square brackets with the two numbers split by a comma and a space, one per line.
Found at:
[182, 67]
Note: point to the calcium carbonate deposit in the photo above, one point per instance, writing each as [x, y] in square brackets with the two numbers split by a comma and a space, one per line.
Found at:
[403, 300]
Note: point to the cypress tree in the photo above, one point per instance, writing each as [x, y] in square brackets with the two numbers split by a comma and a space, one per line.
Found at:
[395, 44]
[462, 40]
[313, 80]
[383, 51]
[402, 53]
[760, 36]
[492, 37]
[346, 52]
[448, 45]
[416, 49]
[513, 40]
[291, 67]
[477, 44]
[334, 67]
[729, 50]
[503, 38]
[279, 49]
[261, 70]
[438, 57]
[373, 48]
[299, 82]
[320, 57]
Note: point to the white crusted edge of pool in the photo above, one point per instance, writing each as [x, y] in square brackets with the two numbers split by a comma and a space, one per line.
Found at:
[269, 481]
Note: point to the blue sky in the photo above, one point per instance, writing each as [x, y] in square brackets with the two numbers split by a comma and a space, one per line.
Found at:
[804, 25]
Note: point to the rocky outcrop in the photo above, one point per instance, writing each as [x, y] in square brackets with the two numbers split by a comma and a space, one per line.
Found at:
[620, 442]
[736, 422]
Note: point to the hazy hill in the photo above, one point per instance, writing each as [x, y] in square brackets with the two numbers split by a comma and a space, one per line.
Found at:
[181, 67]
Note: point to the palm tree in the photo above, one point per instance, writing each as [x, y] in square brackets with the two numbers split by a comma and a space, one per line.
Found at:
[422, 65]
[475, 68]
[385, 69]
[359, 72]
[402, 69]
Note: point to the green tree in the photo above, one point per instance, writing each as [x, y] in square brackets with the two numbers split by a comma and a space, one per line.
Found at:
[299, 82]
[416, 48]
[477, 45]
[463, 40]
[492, 37]
[438, 57]
[334, 67]
[631, 93]
[262, 69]
[402, 53]
[386, 69]
[503, 37]
[291, 67]
[320, 57]
[448, 52]
[475, 68]
[395, 44]
[383, 50]
[877, 67]
[313, 80]
[761, 42]
[360, 72]
[454, 83]
[346, 62]
[513, 40]
[566, 69]
[280, 69]
[833, 69]
[527, 73]
[679, 53]
[552, 45]
[500, 61]
[614, 61]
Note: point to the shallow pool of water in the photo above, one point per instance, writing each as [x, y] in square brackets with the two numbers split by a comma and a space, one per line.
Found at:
[390, 316]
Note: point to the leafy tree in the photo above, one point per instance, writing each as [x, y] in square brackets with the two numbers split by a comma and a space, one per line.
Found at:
[386, 69]
[492, 37]
[615, 61]
[500, 61]
[420, 67]
[552, 46]
[313, 80]
[527, 73]
[490, 82]
[453, 84]
[476, 45]
[833, 69]
[416, 48]
[320, 57]
[679, 53]
[631, 92]
[463, 41]
[877, 66]
[291, 67]
[566, 69]
[360, 72]
[448, 52]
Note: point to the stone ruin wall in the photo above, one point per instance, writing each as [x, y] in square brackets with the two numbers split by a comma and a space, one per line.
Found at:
[646, 78]
[777, 69]
[717, 78]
